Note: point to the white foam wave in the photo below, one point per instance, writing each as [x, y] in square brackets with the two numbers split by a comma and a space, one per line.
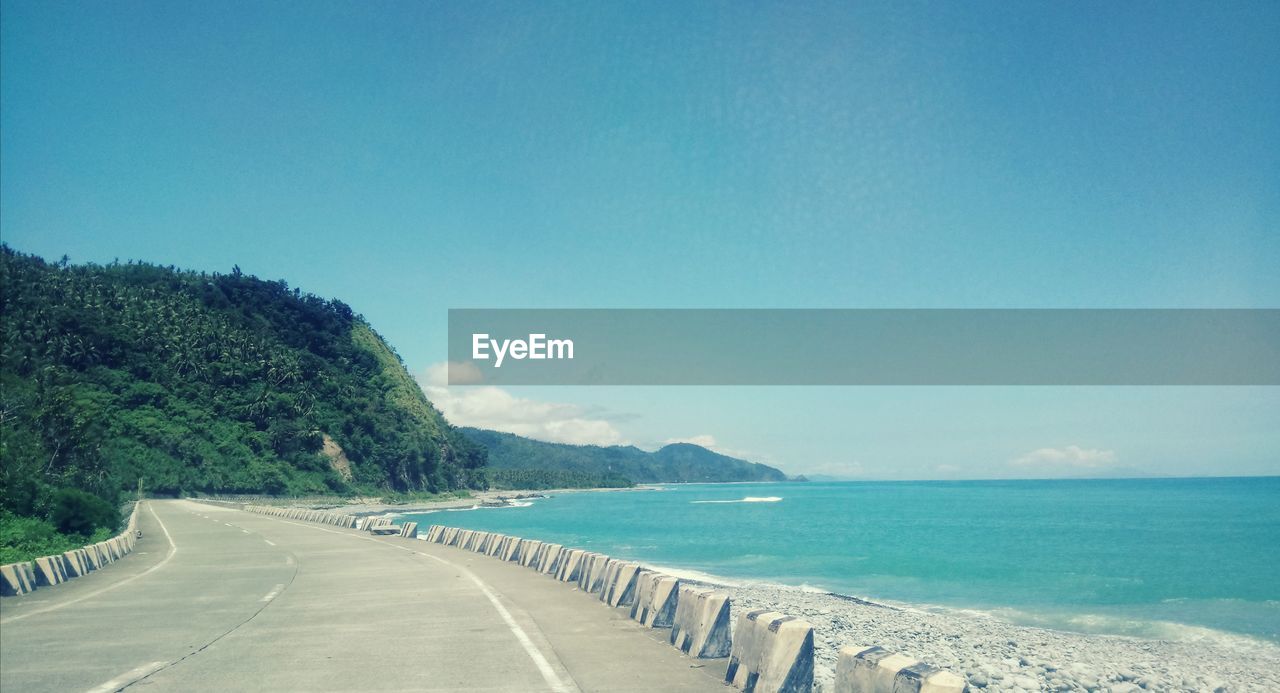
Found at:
[748, 499]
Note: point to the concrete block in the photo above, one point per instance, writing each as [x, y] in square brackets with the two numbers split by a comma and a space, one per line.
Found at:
[868, 669]
[550, 558]
[510, 549]
[73, 564]
[655, 602]
[50, 571]
[592, 577]
[618, 586]
[530, 549]
[925, 678]
[17, 578]
[570, 565]
[700, 627]
[434, 533]
[496, 543]
[409, 530]
[771, 653]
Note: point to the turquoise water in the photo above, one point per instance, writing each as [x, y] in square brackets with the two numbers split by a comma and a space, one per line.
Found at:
[1164, 558]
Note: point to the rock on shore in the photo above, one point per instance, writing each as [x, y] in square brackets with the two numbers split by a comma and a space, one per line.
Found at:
[1000, 657]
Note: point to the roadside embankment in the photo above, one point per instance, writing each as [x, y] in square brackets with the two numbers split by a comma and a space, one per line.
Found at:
[46, 571]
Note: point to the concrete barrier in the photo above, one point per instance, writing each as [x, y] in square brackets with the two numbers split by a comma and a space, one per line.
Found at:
[17, 578]
[511, 549]
[877, 670]
[771, 653]
[372, 523]
[550, 558]
[409, 530]
[570, 565]
[434, 532]
[618, 586]
[74, 563]
[655, 602]
[495, 544]
[529, 552]
[700, 627]
[50, 571]
[591, 578]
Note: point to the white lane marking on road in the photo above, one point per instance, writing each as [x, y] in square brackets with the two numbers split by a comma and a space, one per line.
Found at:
[245, 531]
[272, 543]
[173, 550]
[273, 593]
[128, 677]
[539, 660]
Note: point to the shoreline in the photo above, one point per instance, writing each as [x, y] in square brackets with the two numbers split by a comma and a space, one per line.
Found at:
[364, 507]
[1000, 656]
[994, 654]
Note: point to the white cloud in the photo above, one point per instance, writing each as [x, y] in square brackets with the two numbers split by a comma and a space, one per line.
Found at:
[1069, 458]
[705, 440]
[496, 409]
[709, 442]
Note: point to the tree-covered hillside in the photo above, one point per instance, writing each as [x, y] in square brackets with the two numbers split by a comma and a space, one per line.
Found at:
[190, 381]
[518, 462]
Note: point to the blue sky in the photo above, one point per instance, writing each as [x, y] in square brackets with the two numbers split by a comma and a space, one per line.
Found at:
[413, 157]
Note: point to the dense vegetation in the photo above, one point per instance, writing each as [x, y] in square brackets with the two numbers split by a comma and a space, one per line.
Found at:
[543, 479]
[680, 462]
[116, 375]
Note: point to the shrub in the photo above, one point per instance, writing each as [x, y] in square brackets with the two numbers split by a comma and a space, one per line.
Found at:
[77, 512]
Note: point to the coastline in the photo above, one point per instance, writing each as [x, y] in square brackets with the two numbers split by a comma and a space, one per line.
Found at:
[363, 507]
[992, 653]
[1003, 657]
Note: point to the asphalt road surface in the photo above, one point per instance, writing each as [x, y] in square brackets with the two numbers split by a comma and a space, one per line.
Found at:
[220, 599]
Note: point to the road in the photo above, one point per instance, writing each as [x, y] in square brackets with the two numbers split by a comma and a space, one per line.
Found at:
[220, 599]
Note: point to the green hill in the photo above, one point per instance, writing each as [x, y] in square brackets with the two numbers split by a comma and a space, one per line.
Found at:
[517, 462]
[190, 381]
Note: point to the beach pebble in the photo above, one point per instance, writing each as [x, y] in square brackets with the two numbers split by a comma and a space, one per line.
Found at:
[1007, 657]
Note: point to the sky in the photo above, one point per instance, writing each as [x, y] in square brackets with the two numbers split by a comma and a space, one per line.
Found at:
[411, 157]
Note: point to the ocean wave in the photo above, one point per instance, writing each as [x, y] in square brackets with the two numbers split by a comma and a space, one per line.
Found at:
[748, 499]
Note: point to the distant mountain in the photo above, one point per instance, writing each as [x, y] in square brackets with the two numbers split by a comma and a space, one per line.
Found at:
[518, 462]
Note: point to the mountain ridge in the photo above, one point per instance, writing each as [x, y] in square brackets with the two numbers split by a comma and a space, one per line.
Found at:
[515, 459]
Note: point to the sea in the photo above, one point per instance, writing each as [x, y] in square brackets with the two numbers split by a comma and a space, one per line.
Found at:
[1169, 559]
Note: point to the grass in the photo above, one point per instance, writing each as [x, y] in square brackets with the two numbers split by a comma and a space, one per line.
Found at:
[25, 538]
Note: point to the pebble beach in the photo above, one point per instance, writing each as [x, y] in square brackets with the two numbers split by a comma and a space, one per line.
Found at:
[1002, 657]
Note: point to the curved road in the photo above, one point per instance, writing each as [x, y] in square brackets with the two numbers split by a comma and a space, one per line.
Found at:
[220, 599]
